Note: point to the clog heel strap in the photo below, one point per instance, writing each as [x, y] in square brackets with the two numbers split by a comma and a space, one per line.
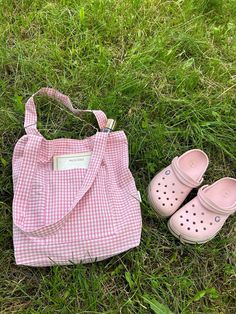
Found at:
[182, 176]
[212, 206]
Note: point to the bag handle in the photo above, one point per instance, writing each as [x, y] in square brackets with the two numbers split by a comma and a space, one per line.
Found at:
[30, 123]
[24, 182]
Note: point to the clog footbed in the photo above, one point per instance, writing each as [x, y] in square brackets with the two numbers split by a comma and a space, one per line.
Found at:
[202, 218]
[169, 188]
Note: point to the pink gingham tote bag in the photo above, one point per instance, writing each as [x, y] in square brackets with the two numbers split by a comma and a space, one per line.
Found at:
[75, 215]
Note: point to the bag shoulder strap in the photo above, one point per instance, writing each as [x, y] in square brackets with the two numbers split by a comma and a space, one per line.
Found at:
[23, 185]
[30, 122]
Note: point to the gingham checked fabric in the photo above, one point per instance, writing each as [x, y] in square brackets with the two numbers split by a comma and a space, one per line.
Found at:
[75, 215]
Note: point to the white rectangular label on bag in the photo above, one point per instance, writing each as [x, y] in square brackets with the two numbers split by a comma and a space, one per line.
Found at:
[72, 161]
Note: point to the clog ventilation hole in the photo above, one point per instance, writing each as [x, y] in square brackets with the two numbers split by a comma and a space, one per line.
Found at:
[182, 224]
[167, 198]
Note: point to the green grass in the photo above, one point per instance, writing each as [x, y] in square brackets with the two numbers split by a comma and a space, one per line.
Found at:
[166, 71]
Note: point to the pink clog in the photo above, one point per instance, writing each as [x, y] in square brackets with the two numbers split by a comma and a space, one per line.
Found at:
[202, 218]
[169, 188]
